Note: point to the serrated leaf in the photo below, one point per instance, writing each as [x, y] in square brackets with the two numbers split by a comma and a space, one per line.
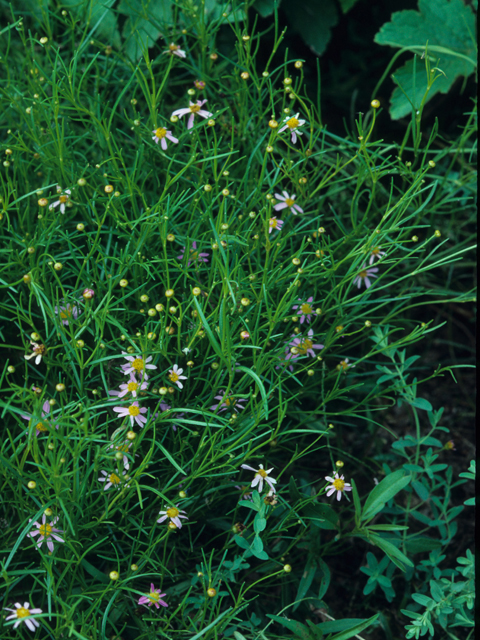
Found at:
[449, 27]
[313, 20]
[383, 492]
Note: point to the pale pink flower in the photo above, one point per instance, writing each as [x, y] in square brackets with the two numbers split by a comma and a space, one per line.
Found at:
[133, 412]
[338, 485]
[154, 597]
[194, 255]
[132, 386]
[175, 376]
[162, 135]
[88, 294]
[364, 277]
[195, 108]
[23, 614]
[174, 514]
[303, 346]
[47, 532]
[227, 403]
[274, 224]
[287, 201]
[305, 310]
[137, 365]
[112, 479]
[175, 50]
[39, 350]
[67, 313]
[344, 365]
[62, 201]
[41, 424]
[261, 475]
[376, 253]
[292, 125]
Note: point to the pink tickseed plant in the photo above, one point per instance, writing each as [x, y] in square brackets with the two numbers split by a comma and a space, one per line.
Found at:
[133, 412]
[137, 365]
[111, 479]
[175, 376]
[40, 426]
[67, 313]
[343, 365]
[376, 253]
[174, 49]
[174, 514]
[261, 476]
[194, 255]
[23, 614]
[338, 484]
[274, 224]
[154, 597]
[47, 532]
[200, 84]
[364, 277]
[132, 386]
[195, 108]
[305, 310]
[162, 135]
[292, 125]
[227, 403]
[287, 201]
[39, 350]
[303, 346]
[62, 201]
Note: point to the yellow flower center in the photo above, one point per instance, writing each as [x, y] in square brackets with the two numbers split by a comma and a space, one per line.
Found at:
[65, 313]
[45, 529]
[230, 402]
[306, 308]
[344, 364]
[174, 377]
[160, 132]
[133, 410]
[63, 199]
[154, 596]
[132, 386]
[273, 223]
[304, 346]
[338, 483]
[262, 472]
[193, 254]
[289, 202]
[195, 107]
[292, 123]
[114, 479]
[172, 512]
[39, 348]
[173, 47]
[41, 427]
[363, 274]
[375, 251]
[22, 612]
[138, 364]
[123, 448]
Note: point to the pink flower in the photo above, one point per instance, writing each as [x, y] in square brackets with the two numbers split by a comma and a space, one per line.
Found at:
[193, 109]
[287, 201]
[112, 479]
[133, 412]
[175, 376]
[261, 475]
[162, 135]
[194, 255]
[305, 310]
[132, 386]
[301, 346]
[292, 124]
[88, 294]
[376, 253]
[274, 224]
[137, 365]
[62, 201]
[174, 514]
[200, 84]
[175, 50]
[338, 485]
[67, 313]
[364, 277]
[39, 350]
[41, 426]
[23, 614]
[227, 403]
[154, 597]
[47, 532]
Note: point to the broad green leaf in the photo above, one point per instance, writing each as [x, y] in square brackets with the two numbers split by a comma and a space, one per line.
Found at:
[346, 5]
[448, 26]
[98, 14]
[313, 20]
[395, 555]
[143, 27]
[306, 580]
[300, 630]
[383, 492]
[325, 579]
[243, 544]
[266, 7]
[419, 544]
[259, 523]
[348, 628]
[421, 403]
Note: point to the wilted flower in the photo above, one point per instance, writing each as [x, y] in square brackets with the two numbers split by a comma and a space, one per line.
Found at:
[274, 224]
[194, 255]
[227, 403]
[175, 376]
[175, 50]
[162, 135]
[22, 614]
[112, 479]
[62, 201]
[133, 412]
[67, 313]
[132, 386]
[47, 532]
[39, 350]
[364, 277]
[287, 201]
[174, 514]
[154, 597]
[305, 310]
[195, 108]
[261, 475]
[338, 484]
[292, 125]
[137, 365]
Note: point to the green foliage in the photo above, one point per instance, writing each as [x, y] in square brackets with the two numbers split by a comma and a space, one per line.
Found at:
[444, 31]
